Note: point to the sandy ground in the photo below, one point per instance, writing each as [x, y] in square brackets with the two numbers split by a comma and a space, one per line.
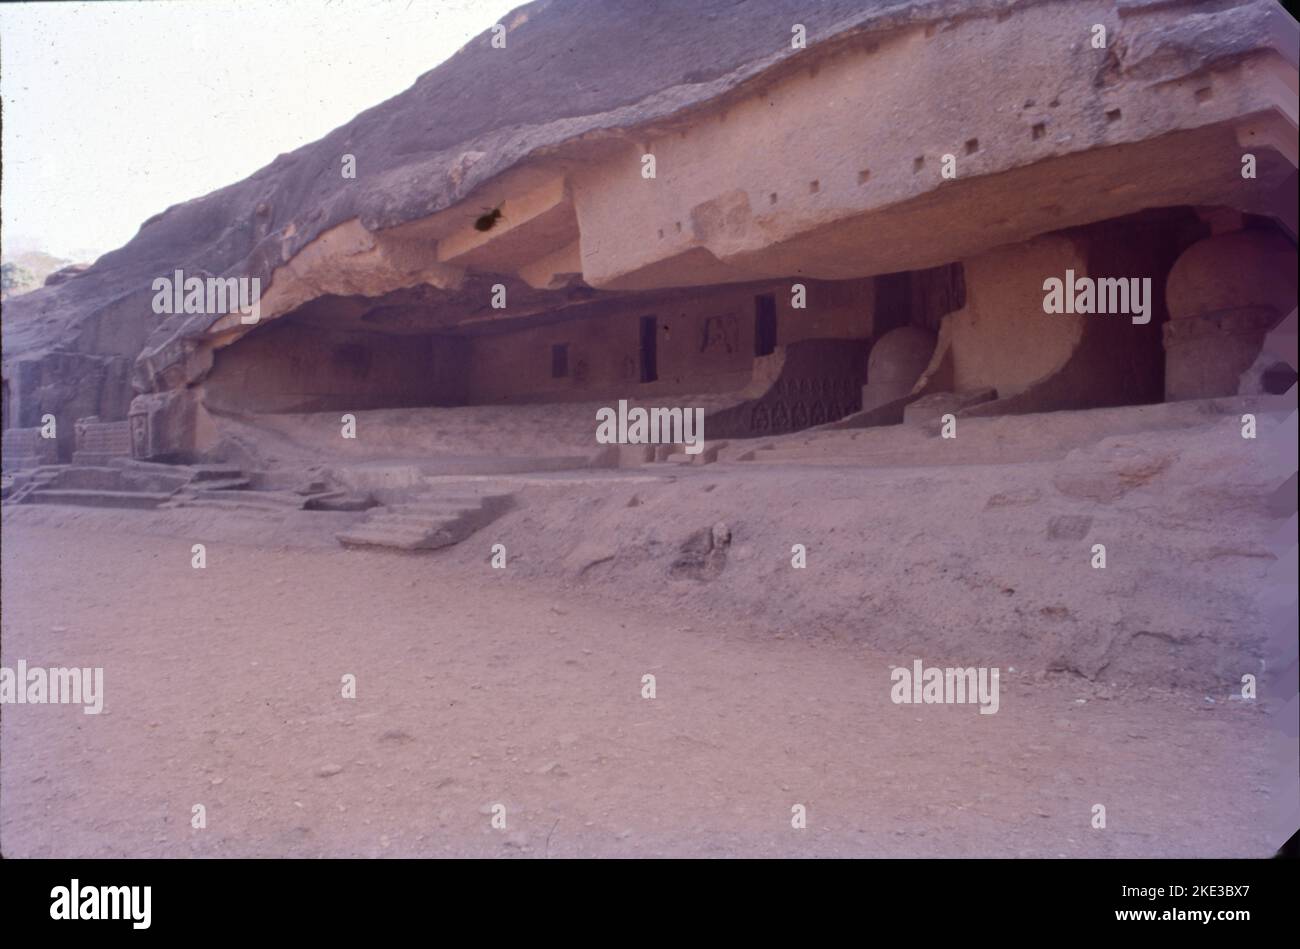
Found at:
[477, 687]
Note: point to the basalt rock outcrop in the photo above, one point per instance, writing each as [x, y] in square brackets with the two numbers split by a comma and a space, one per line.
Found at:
[774, 159]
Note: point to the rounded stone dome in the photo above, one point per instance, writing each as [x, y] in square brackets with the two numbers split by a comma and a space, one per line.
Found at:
[1233, 271]
[900, 356]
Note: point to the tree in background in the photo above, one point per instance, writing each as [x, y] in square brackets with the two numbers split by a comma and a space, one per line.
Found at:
[16, 279]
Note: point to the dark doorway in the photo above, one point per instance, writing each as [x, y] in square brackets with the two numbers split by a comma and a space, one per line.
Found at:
[918, 298]
[649, 348]
[764, 324]
[559, 360]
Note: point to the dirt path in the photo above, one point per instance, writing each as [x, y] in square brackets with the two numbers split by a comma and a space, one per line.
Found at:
[223, 689]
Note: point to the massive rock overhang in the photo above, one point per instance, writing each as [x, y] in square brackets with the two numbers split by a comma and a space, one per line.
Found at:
[770, 161]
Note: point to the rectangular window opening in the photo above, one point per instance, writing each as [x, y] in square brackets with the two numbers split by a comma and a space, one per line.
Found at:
[764, 324]
[649, 348]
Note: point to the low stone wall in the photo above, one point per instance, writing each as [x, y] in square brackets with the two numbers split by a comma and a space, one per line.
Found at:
[820, 381]
[25, 448]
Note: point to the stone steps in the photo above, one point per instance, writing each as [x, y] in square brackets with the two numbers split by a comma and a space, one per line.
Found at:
[449, 506]
[94, 497]
[22, 484]
[407, 539]
[426, 523]
[274, 502]
[225, 484]
[207, 475]
[111, 486]
[419, 521]
[126, 483]
[337, 501]
[230, 489]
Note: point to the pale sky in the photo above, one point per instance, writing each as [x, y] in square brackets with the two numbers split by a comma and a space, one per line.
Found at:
[113, 111]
